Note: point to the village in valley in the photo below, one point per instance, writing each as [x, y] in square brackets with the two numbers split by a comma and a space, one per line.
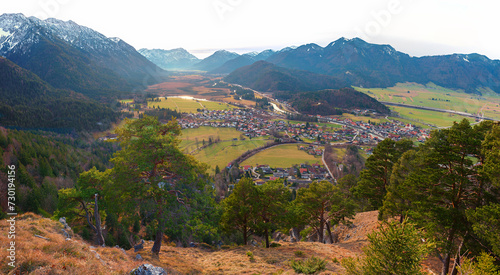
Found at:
[363, 129]
[256, 123]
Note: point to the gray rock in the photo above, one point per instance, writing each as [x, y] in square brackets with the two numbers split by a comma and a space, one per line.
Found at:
[148, 269]
[138, 257]
[139, 246]
[66, 234]
[62, 220]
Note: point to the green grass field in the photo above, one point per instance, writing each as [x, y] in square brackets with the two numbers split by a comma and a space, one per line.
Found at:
[434, 96]
[224, 152]
[365, 119]
[184, 105]
[189, 136]
[438, 119]
[282, 156]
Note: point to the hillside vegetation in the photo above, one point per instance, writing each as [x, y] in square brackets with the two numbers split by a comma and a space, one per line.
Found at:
[29, 102]
[332, 102]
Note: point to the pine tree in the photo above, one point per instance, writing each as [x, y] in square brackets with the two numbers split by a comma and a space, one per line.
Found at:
[440, 183]
[375, 178]
[151, 168]
[397, 248]
[270, 205]
[239, 209]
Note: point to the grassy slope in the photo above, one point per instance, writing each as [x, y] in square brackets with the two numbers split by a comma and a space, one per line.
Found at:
[282, 156]
[422, 95]
[436, 118]
[58, 256]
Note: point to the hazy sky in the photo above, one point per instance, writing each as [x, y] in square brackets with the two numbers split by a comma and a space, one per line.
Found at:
[417, 27]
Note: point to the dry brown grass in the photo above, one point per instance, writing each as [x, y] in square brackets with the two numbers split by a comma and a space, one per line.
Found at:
[58, 256]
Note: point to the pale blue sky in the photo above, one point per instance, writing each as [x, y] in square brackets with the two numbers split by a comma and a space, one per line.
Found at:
[417, 27]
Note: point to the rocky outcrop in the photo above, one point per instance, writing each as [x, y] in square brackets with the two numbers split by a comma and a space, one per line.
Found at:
[148, 269]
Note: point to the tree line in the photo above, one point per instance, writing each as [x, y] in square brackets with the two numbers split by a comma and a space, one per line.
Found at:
[444, 194]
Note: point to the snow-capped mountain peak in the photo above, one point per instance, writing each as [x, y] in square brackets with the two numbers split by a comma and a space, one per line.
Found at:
[24, 31]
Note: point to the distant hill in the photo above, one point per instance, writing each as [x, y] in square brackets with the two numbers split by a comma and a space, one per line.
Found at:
[233, 64]
[29, 102]
[71, 56]
[176, 59]
[241, 61]
[370, 65]
[332, 102]
[266, 77]
[215, 60]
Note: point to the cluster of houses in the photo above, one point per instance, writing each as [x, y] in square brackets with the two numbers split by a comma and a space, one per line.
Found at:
[375, 132]
[258, 123]
[311, 149]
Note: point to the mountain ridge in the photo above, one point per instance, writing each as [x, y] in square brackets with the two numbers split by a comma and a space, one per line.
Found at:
[267, 77]
[380, 65]
[215, 60]
[70, 56]
[172, 59]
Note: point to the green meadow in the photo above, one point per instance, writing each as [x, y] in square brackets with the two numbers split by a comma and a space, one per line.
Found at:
[184, 105]
[220, 154]
[434, 96]
[282, 156]
[438, 119]
[190, 136]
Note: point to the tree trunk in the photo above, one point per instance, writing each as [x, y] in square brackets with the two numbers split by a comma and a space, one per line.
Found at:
[266, 233]
[329, 232]
[446, 264]
[320, 231]
[158, 239]
[447, 257]
[98, 228]
[245, 236]
[454, 270]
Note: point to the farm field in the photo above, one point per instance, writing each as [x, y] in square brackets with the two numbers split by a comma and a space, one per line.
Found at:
[189, 136]
[196, 86]
[320, 124]
[282, 156]
[124, 101]
[225, 151]
[365, 119]
[185, 105]
[434, 96]
[438, 119]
